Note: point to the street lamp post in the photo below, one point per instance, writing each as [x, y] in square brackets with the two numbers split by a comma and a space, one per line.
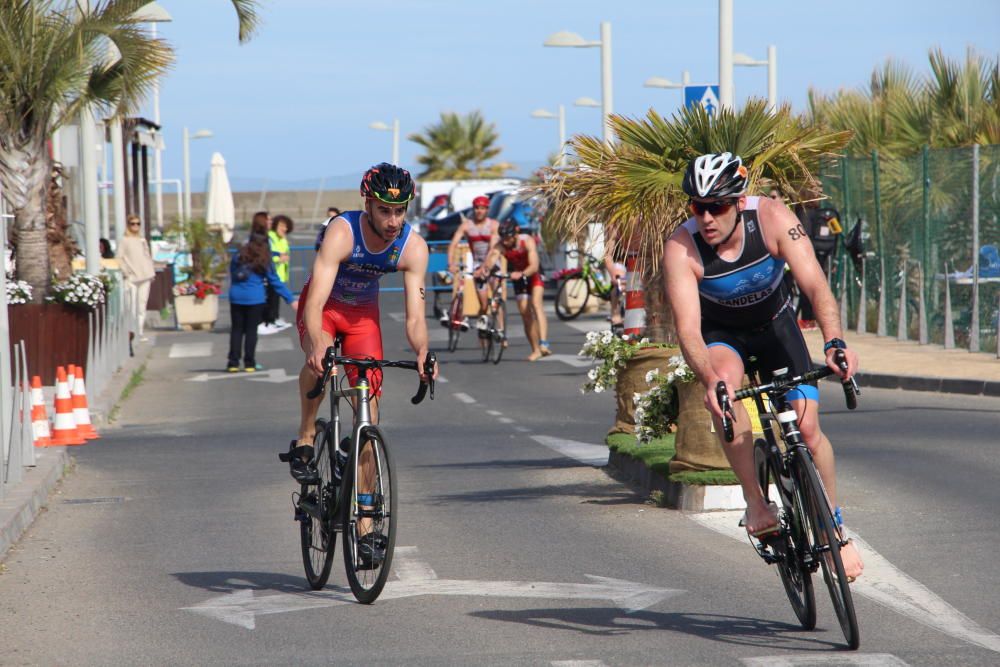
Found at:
[200, 134]
[561, 116]
[153, 13]
[573, 40]
[771, 63]
[379, 125]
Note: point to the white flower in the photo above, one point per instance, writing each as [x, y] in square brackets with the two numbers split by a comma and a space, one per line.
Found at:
[592, 374]
[598, 388]
[613, 372]
[643, 341]
[636, 397]
[592, 336]
[651, 375]
[606, 337]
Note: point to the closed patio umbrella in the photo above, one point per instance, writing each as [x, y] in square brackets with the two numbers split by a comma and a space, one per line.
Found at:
[220, 212]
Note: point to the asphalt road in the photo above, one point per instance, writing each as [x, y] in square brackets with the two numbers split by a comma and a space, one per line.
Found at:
[172, 540]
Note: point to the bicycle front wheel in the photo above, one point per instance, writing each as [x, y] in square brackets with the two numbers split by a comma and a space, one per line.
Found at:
[454, 317]
[318, 502]
[497, 334]
[791, 545]
[369, 517]
[571, 299]
[826, 546]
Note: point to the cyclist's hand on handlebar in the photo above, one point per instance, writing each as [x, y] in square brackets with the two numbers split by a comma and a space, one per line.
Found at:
[850, 356]
[314, 358]
[517, 275]
[421, 359]
[453, 269]
[712, 400]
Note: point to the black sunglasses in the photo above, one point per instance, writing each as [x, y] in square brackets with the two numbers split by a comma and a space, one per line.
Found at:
[712, 207]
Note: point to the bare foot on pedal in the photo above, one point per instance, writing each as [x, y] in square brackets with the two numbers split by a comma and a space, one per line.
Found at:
[853, 566]
[761, 520]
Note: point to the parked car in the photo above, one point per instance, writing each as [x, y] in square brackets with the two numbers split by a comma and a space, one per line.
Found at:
[442, 229]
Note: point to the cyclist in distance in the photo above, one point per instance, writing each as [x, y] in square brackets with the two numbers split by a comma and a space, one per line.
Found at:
[480, 233]
[523, 267]
[341, 295]
[723, 270]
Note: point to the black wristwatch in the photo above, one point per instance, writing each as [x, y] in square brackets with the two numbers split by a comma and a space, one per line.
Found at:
[834, 343]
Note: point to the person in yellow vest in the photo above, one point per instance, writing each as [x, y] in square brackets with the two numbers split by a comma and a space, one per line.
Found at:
[281, 227]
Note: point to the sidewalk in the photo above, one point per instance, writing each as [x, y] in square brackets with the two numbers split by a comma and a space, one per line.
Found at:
[891, 364]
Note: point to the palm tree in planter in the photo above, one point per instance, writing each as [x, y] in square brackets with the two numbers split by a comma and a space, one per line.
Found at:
[633, 185]
[55, 60]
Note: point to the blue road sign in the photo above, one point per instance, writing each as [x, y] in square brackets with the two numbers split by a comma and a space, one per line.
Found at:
[705, 96]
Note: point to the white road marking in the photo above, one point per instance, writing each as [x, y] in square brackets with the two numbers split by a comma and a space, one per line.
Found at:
[407, 566]
[840, 658]
[505, 420]
[578, 663]
[495, 413]
[275, 344]
[885, 584]
[398, 317]
[570, 360]
[591, 455]
[465, 398]
[242, 607]
[586, 326]
[188, 350]
[522, 429]
[270, 375]
[442, 379]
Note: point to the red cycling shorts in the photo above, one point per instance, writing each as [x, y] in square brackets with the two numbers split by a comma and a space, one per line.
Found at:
[360, 329]
[524, 285]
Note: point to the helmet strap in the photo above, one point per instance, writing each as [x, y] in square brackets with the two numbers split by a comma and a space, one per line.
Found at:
[739, 219]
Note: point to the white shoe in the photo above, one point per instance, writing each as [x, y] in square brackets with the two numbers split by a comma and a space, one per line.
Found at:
[464, 326]
[282, 324]
[265, 329]
[483, 323]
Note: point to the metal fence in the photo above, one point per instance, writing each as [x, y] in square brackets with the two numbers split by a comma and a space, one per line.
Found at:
[932, 229]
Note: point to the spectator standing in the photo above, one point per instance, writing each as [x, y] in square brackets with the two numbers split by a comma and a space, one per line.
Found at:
[138, 270]
[281, 227]
[821, 225]
[250, 268]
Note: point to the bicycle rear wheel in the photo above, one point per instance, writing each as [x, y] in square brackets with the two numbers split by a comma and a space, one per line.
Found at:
[454, 317]
[790, 546]
[826, 547]
[571, 299]
[369, 523]
[318, 501]
[496, 334]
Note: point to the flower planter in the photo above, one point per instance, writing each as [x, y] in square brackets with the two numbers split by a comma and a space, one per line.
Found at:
[54, 335]
[698, 446]
[194, 313]
[632, 380]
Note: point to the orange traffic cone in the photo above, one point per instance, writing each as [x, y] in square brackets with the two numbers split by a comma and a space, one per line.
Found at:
[81, 411]
[39, 417]
[64, 432]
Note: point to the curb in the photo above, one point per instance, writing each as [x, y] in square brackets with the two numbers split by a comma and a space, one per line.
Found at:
[923, 383]
[678, 496]
[101, 406]
[23, 503]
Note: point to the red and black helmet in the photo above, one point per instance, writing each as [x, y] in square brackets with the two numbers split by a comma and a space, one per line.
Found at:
[481, 200]
[387, 183]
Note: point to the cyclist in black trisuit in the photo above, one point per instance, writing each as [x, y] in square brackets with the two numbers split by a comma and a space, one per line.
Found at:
[723, 270]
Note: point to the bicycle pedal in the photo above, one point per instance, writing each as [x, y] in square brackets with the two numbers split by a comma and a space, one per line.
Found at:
[284, 457]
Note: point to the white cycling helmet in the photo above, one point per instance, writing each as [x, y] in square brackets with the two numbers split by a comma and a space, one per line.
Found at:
[714, 176]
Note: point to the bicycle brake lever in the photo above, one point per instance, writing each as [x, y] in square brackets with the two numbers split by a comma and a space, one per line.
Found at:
[722, 396]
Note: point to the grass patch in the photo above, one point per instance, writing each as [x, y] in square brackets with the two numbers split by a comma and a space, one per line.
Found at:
[657, 454]
[133, 382]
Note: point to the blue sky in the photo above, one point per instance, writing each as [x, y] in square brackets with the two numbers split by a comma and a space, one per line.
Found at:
[295, 102]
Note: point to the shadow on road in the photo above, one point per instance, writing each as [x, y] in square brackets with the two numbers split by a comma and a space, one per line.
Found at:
[613, 622]
[592, 494]
[228, 581]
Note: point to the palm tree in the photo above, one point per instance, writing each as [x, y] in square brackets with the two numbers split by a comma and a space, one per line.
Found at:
[54, 61]
[633, 185]
[458, 147]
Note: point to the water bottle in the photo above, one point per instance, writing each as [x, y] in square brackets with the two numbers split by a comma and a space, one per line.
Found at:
[343, 453]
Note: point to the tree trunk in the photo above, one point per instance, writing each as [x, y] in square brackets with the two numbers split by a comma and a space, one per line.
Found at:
[659, 318]
[24, 172]
[62, 247]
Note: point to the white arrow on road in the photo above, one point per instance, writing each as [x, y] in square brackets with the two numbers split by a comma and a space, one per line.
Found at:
[242, 607]
[270, 375]
[570, 360]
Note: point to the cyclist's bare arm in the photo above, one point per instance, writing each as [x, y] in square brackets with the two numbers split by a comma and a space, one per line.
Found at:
[533, 263]
[681, 271]
[413, 264]
[492, 257]
[453, 246]
[787, 239]
[336, 248]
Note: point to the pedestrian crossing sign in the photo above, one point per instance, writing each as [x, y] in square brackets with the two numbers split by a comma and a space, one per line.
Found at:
[704, 96]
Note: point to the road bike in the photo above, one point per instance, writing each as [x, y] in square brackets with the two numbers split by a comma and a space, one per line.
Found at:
[810, 534]
[577, 285]
[456, 322]
[493, 336]
[353, 490]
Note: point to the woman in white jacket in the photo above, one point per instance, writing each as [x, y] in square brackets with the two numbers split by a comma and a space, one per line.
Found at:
[138, 269]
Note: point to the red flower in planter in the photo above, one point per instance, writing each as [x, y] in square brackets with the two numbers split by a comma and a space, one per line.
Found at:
[203, 289]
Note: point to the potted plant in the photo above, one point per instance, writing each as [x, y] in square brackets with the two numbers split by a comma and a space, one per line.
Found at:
[196, 299]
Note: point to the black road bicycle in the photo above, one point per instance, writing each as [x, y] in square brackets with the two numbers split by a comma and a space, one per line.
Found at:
[493, 337]
[810, 533]
[360, 501]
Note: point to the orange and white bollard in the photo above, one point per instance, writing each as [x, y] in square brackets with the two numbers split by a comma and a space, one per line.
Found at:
[40, 430]
[635, 299]
[81, 410]
[64, 431]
